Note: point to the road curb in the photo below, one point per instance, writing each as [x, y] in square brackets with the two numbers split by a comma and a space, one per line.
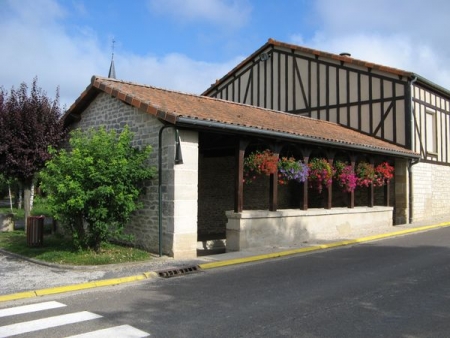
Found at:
[256, 258]
[213, 265]
[78, 287]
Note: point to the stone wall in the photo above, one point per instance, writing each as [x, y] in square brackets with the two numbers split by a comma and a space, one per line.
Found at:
[258, 228]
[216, 194]
[431, 191]
[113, 114]
[181, 197]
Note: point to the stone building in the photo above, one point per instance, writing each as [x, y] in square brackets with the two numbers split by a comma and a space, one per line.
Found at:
[199, 147]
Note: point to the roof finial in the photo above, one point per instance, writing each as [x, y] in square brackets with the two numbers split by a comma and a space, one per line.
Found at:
[112, 70]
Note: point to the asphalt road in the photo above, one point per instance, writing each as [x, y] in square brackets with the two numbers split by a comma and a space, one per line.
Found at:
[398, 287]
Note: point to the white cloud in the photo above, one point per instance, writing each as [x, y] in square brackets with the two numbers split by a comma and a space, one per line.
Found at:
[405, 34]
[229, 13]
[40, 47]
[36, 41]
[38, 44]
[173, 71]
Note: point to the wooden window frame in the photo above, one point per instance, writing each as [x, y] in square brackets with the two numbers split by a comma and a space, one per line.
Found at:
[433, 130]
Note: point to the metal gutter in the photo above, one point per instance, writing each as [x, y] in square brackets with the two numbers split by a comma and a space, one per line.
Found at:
[190, 122]
[431, 84]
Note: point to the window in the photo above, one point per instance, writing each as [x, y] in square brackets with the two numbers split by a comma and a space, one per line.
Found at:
[431, 132]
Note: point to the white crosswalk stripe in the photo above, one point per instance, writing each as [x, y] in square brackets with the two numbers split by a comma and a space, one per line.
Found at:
[45, 323]
[122, 331]
[18, 310]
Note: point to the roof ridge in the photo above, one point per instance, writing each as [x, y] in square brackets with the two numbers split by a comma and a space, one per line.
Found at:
[344, 58]
[100, 78]
[203, 97]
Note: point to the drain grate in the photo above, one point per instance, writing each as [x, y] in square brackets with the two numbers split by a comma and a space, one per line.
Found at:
[178, 272]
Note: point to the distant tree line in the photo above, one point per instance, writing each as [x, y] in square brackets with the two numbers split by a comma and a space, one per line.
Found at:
[30, 122]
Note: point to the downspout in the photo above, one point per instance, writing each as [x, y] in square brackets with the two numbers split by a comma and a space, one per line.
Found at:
[411, 162]
[178, 160]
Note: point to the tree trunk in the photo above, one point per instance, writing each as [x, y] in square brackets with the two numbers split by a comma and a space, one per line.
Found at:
[19, 197]
[26, 201]
[32, 196]
[10, 198]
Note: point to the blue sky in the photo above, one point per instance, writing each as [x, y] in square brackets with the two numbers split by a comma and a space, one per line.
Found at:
[186, 45]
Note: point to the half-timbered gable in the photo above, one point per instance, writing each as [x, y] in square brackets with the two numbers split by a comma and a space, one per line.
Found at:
[337, 88]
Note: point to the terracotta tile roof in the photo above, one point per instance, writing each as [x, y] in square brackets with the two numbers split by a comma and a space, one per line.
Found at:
[202, 111]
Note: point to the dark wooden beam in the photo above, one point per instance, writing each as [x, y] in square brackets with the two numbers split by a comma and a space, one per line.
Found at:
[273, 197]
[330, 189]
[330, 156]
[351, 203]
[239, 177]
[386, 193]
[306, 152]
[371, 190]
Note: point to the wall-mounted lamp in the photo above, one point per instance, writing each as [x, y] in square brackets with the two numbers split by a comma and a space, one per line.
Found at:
[178, 154]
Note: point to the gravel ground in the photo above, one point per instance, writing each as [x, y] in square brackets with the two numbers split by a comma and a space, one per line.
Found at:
[18, 274]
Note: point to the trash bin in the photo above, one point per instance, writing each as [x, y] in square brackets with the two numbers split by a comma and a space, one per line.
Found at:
[35, 230]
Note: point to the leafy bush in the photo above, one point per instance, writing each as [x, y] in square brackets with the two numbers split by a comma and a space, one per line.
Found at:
[93, 188]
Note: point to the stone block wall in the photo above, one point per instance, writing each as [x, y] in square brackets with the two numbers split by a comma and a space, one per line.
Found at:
[181, 197]
[113, 114]
[216, 194]
[259, 228]
[431, 191]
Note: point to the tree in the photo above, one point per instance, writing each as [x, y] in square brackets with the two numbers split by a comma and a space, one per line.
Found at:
[29, 124]
[96, 183]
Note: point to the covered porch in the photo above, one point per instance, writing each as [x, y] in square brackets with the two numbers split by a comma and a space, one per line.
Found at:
[237, 216]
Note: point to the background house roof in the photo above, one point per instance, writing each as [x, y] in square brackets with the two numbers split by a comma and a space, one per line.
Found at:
[193, 111]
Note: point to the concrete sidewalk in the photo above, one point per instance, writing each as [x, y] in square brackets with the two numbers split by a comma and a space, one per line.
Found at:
[23, 278]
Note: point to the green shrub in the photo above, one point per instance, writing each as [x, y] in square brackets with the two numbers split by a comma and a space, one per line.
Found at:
[96, 183]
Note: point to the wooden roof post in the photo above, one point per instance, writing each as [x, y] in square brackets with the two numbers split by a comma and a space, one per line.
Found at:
[386, 193]
[351, 203]
[371, 189]
[330, 155]
[306, 152]
[273, 198]
[239, 177]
